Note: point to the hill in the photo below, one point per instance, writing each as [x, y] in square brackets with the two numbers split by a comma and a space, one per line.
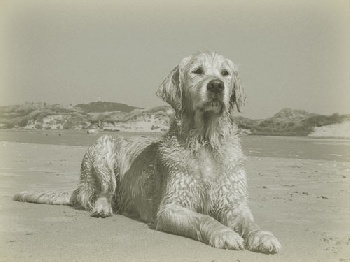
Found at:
[289, 122]
[101, 107]
[121, 117]
[95, 115]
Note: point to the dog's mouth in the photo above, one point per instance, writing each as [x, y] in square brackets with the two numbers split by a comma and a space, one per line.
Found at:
[214, 106]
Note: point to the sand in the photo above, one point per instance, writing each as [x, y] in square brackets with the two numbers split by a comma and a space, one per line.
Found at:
[341, 130]
[305, 203]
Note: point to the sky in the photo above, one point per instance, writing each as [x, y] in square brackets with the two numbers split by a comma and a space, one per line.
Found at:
[290, 53]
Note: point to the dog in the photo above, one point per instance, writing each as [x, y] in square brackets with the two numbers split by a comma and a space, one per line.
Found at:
[192, 181]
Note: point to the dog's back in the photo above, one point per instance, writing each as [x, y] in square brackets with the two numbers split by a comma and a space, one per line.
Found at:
[128, 163]
[140, 184]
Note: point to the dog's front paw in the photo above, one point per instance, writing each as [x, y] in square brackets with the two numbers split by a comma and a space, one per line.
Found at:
[263, 241]
[102, 208]
[226, 239]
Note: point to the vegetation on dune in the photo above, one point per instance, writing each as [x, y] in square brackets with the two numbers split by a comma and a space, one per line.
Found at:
[101, 107]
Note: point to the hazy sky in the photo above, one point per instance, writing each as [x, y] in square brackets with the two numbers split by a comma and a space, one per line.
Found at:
[289, 53]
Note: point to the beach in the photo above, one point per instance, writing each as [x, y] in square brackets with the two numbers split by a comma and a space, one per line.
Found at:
[304, 202]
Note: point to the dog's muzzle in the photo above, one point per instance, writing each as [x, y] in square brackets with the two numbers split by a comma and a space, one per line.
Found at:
[215, 86]
[215, 92]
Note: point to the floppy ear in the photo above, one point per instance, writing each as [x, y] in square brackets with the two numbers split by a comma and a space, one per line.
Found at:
[171, 91]
[238, 96]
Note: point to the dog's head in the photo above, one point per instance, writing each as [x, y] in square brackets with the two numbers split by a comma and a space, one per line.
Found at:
[206, 82]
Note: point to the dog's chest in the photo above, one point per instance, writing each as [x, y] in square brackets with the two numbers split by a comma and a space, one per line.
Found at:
[206, 166]
[217, 180]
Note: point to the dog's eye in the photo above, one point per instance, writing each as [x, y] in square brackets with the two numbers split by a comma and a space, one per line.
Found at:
[225, 72]
[198, 71]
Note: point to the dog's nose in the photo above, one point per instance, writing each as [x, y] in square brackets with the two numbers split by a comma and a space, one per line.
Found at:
[215, 86]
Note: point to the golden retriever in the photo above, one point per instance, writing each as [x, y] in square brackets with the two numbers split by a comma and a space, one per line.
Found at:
[192, 182]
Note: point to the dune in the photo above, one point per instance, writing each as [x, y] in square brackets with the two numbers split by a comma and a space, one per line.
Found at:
[341, 130]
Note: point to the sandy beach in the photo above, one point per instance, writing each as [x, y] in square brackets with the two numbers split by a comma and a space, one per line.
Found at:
[305, 203]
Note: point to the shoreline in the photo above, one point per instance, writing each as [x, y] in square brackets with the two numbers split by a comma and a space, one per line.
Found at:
[85, 131]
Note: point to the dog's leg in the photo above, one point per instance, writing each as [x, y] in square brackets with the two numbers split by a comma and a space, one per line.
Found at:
[241, 220]
[104, 164]
[178, 220]
[98, 180]
[103, 204]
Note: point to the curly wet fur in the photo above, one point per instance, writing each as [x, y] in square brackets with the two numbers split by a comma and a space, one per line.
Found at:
[192, 182]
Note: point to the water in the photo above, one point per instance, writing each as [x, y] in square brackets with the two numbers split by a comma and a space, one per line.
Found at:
[259, 146]
[297, 147]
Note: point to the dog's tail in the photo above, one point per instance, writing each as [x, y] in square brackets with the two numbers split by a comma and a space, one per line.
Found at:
[50, 198]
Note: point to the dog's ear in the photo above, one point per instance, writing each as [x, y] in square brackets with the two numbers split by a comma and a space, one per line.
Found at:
[238, 97]
[170, 90]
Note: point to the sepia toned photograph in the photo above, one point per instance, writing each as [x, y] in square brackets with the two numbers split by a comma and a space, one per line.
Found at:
[175, 130]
